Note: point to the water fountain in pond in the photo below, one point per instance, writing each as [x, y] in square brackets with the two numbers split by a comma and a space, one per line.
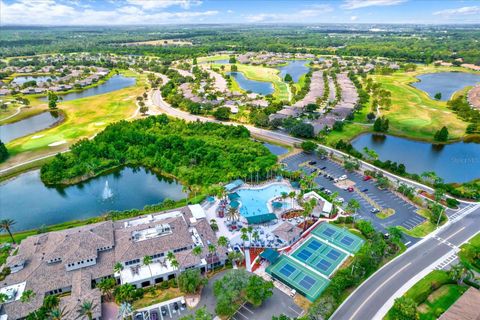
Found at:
[107, 192]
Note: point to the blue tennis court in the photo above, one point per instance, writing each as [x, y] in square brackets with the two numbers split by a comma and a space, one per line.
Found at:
[323, 265]
[333, 254]
[287, 270]
[304, 255]
[339, 237]
[307, 282]
[314, 245]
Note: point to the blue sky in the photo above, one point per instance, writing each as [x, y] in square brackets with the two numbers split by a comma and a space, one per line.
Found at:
[134, 12]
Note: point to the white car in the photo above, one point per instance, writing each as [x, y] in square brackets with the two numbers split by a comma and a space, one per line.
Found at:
[344, 177]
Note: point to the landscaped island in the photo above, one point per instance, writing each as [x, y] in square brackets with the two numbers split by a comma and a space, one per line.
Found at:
[195, 153]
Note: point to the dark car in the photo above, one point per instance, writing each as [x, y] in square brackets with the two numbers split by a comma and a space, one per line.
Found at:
[175, 305]
[323, 168]
[139, 316]
[365, 190]
[314, 170]
[312, 163]
[322, 188]
[154, 315]
[164, 310]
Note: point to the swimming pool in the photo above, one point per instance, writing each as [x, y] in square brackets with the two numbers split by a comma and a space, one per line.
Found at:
[254, 201]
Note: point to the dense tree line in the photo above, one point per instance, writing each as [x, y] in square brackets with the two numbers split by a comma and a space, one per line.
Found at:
[195, 153]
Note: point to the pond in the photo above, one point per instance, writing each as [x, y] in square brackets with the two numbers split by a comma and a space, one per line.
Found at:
[114, 83]
[447, 83]
[31, 204]
[22, 79]
[259, 87]
[11, 131]
[276, 149]
[456, 162]
[295, 68]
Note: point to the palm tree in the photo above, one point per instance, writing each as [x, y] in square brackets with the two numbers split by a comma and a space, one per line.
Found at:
[58, 314]
[147, 261]
[222, 241]
[232, 213]
[244, 238]
[51, 302]
[255, 235]
[197, 251]
[27, 296]
[212, 249]
[249, 230]
[292, 196]
[6, 225]
[118, 267]
[353, 205]
[107, 287]
[86, 310]
[459, 272]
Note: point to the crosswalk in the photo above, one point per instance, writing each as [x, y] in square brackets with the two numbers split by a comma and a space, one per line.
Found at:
[444, 241]
[445, 263]
[463, 211]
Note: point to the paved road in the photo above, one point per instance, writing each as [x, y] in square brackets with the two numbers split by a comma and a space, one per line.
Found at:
[367, 301]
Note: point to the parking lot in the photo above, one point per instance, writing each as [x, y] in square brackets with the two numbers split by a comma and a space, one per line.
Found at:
[405, 213]
[276, 305]
[172, 309]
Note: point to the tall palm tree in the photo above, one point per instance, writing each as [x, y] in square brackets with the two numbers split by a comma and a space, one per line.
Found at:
[255, 235]
[222, 241]
[249, 231]
[107, 286]
[291, 195]
[232, 213]
[118, 267]
[147, 261]
[86, 310]
[212, 249]
[58, 314]
[197, 251]
[6, 225]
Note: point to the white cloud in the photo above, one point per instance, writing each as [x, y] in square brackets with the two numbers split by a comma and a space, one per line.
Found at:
[353, 18]
[356, 4]
[230, 11]
[312, 11]
[159, 4]
[459, 11]
[50, 12]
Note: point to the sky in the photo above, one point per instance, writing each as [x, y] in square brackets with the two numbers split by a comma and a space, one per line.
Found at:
[157, 12]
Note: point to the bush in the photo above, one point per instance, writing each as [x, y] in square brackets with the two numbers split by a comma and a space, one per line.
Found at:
[165, 285]
[173, 283]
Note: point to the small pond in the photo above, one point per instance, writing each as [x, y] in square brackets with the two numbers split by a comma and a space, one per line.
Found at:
[246, 84]
[456, 162]
[22, 79]
[276, 149]
[31, 204]
[295, 68]
[114, 83]
[12, 131]
[446, 83]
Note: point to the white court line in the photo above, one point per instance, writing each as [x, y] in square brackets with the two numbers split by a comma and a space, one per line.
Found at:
[378, 288]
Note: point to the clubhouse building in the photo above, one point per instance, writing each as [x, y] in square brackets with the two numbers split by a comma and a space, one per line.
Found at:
[70, 263]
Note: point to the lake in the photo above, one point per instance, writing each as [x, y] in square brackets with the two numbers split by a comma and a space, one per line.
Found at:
[259, 87]
[11, 131]
[114, 83]
[22, 79]
[31, 204]
[456, 162]
[295, 68]
[447, 83]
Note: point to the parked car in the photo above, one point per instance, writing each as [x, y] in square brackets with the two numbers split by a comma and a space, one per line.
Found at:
[322, 188]
[386, 235]
[175, 306]
[154, 315]
[184, 304]
[344, 177]
[327, 191]
[139, 316]
[350, 189]
[312, 163]
[374, 210]
[366, 178]
[341, 200]
[314, 170]
[323, 168]
[163, 309]
[365, 190]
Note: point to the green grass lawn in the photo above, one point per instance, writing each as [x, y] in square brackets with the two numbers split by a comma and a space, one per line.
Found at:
[433, 294]
[213, 58]
[83, 118]
[468, 253]
[413, 113]
[439, 301]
